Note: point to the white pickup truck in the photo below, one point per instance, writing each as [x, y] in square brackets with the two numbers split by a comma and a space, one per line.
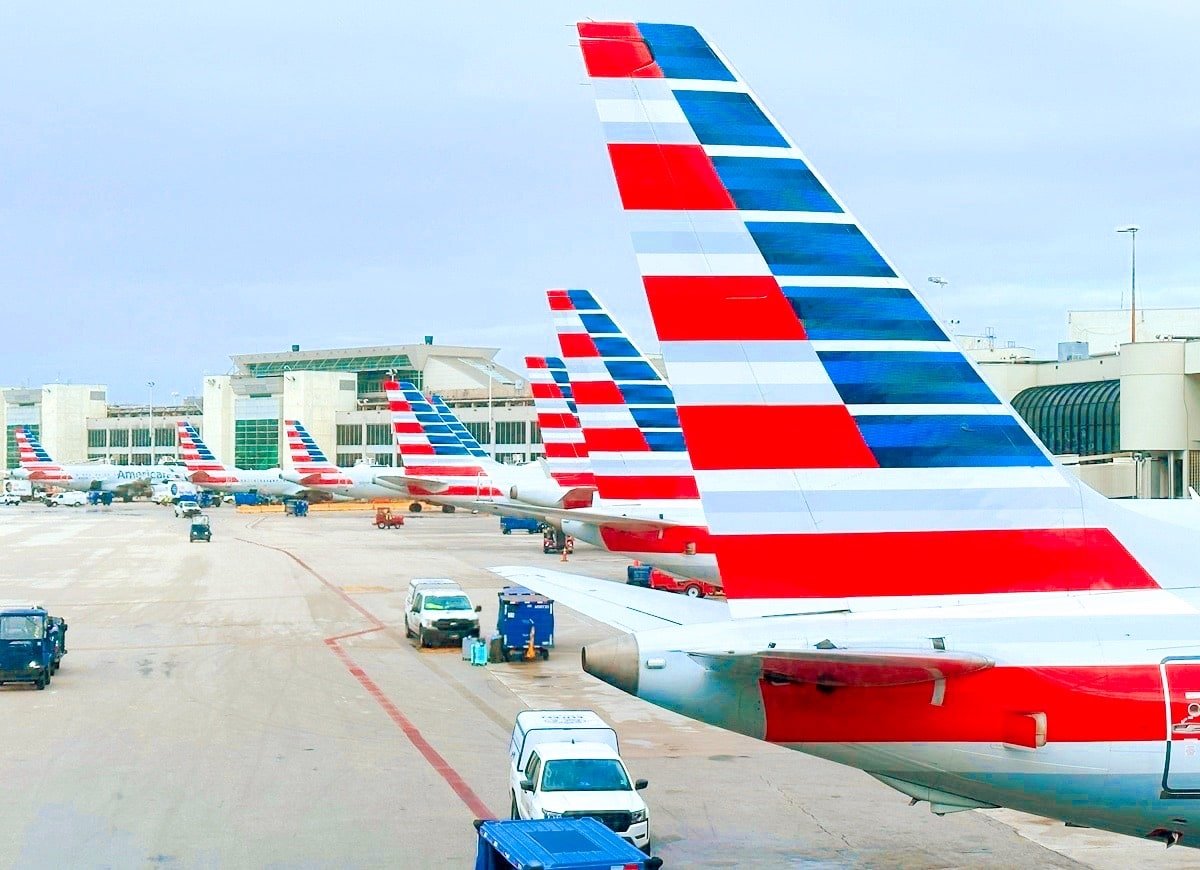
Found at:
[438, 611]
[567, 763]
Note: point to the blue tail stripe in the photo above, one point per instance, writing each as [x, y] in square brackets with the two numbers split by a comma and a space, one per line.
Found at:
[630, 370]
[818, 249]
[682, 53]
[773, 184]
[948, 441]
[902, 377]
[728, 118]
[862, 313]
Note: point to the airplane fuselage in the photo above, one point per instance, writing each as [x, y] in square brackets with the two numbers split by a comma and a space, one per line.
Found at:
[101, 476]
[1089, 714]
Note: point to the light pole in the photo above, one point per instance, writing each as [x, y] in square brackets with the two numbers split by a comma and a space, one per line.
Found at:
[150, 384]
[175, 401]
[491, 423]
[1133, 231]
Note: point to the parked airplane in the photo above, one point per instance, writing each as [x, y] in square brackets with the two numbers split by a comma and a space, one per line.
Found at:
[313, 470]
[206, 472]
[439, 468]
[125, 481]
[558, 421]
[647, 504]
[919, 591]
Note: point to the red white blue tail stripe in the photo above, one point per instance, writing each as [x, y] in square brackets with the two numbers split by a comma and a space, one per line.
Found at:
[35, 461]
[897, 464]
[430, 450]
[626, 409]
[557, 416]
[456, 426]
[310, 462]
[202, 466]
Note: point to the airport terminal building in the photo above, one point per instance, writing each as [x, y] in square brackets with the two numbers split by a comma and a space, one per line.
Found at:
[336, 394]
[1127, 419]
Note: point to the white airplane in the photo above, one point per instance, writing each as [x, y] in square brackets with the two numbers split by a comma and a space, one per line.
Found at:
[206, 472]
[125, 481]
[915, 587]
[440, 468]
[313, 470]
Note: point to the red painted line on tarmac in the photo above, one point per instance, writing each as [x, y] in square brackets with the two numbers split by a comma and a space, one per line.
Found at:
[465, 793]
[336, 590]
[444, 769]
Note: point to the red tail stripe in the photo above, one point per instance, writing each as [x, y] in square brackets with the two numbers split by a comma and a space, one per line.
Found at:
[721, 309]
[643, 487]
[615, 440]
[866, 564]
[577, 344]
[619, 58]
[559, 300]
[640, 171]
[597, 393]
[609, 30]
[818, 436]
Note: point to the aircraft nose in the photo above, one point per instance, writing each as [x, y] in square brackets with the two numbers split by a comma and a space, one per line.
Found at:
[615, 661]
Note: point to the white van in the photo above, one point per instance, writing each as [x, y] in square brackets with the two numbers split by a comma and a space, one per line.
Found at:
[567, 763]
[71, 498]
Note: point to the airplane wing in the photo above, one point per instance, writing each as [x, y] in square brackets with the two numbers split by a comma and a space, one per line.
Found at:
[833, 667]
[402, 482]
[629, 608]
[595, 517]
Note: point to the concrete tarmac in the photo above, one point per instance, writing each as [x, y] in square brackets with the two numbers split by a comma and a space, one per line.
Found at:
[253, 702]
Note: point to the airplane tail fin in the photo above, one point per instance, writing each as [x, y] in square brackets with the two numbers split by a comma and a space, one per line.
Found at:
[899, 472]
[457, 427]
[557, 416]
[436, 462]
[627, 410]
[30, 452]
[194, 452]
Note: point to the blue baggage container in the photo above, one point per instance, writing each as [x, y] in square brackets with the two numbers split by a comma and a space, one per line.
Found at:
[521, 613]
[245, 498]
[555, 844]
[638, 575]
[508, 525]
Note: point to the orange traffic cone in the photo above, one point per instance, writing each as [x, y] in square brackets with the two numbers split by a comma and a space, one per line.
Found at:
[563, 557]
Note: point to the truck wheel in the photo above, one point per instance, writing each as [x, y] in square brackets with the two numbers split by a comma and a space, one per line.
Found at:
[415, 507]
[506, 531]
[513, 812]
[421, 640]
[447, 508]
[407, 631]
[41, 683]
[693, 591]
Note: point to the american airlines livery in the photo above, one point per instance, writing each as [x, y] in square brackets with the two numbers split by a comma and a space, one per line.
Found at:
[440, 468]
[35, 465]
[206, 472]
[312, 469]
[914, 587]
[647, 504]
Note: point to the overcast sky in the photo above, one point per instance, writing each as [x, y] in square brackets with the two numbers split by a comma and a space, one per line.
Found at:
[180, 184]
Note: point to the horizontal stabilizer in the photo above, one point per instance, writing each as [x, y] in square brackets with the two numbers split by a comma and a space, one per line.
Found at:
[847, 667]
[593, 516]
[402, 482]
[629, 608]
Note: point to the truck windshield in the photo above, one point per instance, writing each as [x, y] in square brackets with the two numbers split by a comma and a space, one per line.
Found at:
[584, 774]
[447, 602]
[21, 628]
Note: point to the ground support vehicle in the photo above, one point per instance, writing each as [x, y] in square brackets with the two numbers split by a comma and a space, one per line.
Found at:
[187, 508]
[246, 498]
[439, 612]
[56, 630]
[201, 530]
[651, 578]
[71, 498]
[555, 541]
[26, 653]
[295, 507]
[386, 518]
[96, 497]
[567, 764]
[524, 625]
[10, 498]
[555, 844]
[530, 525]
